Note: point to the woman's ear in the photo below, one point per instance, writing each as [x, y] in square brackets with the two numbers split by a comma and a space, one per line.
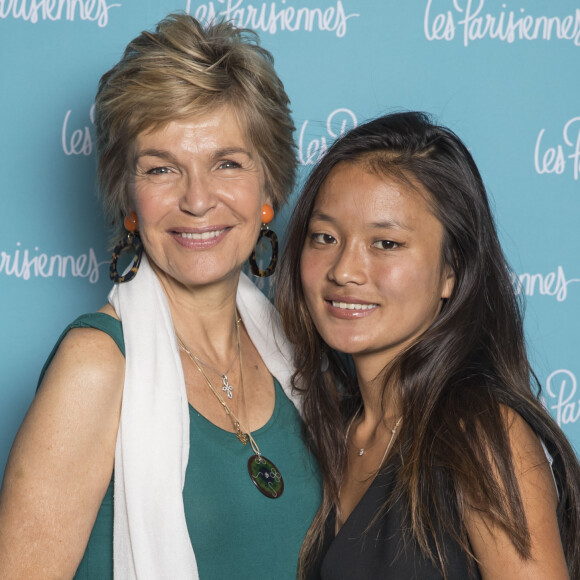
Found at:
[448, 281]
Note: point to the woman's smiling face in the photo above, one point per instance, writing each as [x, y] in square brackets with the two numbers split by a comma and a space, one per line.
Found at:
[198, 192]
[371, 266]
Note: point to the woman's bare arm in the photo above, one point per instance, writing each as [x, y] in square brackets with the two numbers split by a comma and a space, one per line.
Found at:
[62, 459]
[492, 546]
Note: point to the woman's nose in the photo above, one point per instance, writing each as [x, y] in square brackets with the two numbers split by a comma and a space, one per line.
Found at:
[198, 196]
[349, 266]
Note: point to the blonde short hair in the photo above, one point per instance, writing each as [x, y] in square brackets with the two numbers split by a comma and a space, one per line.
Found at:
[183, 69]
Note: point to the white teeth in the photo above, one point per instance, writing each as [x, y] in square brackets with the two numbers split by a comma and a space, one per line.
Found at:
[203, 236]
[348, 306]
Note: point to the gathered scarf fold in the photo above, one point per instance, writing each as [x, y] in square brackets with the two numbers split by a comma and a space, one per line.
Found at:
[151, 540]
[150, 532]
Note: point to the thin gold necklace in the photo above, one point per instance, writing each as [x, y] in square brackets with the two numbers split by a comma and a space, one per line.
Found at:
[263, 473]
[243, 437]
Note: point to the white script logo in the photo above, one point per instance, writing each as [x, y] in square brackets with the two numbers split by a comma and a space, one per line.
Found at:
[27, 263]
[561, 387]
[506, 25]
[554, 159]
[551, 284]
[337, 123]
[92, 10]
[77, 141]
[271, 17]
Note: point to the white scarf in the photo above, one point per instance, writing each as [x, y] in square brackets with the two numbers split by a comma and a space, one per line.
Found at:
[151, 540]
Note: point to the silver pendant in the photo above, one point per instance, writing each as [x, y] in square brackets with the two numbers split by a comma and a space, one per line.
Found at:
[226, 387]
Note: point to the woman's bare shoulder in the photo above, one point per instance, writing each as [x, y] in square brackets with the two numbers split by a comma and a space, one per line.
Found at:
[497, 555]
[86, 359]
[62, 459]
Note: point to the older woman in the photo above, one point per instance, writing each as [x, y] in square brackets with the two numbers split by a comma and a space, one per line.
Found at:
[181, 384]
[433, 450]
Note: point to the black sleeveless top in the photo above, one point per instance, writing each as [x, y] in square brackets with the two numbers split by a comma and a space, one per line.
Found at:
[358, 552]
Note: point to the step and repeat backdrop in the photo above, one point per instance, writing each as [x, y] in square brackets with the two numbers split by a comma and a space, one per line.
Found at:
[503, 74]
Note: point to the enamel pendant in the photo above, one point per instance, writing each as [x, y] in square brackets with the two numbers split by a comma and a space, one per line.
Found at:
[265, 476]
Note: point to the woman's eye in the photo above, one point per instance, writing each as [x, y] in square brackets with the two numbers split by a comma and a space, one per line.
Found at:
[386, 245]
[229, 164]
[322, 239]
[158, 171]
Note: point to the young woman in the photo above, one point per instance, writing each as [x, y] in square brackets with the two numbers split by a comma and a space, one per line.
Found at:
[435, 451]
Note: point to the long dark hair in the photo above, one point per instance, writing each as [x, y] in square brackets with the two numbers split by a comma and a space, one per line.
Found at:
[454, 444]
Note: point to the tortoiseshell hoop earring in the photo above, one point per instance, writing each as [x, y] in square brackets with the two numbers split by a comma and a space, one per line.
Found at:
[265, 232]
[132, 240]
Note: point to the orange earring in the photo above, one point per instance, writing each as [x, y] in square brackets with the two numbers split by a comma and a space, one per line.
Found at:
[131, 222]
[265, 232]
[267, 213]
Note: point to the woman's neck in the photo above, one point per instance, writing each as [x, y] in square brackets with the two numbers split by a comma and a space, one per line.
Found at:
[204, 318]
[379, 401]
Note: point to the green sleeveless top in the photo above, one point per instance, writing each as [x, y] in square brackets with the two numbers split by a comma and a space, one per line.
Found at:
[234, 529]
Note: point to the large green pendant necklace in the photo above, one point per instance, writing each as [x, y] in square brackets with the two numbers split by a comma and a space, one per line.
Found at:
[263, 473]
[265, 476]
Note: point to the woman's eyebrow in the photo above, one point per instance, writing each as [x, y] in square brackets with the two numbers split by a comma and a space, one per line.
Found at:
[165, 154]
[389, 225]
[231, 151]
[377, 225]
[321, 216]
[160, 153]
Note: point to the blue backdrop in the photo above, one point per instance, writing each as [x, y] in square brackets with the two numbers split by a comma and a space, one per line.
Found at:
[502, 73]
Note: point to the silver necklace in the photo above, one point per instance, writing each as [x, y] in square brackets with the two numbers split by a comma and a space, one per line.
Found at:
[226, 386]
[361, 450]
[240, 434]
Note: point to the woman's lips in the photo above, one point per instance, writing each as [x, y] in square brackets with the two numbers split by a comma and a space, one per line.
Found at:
[349, 308]
[201, 236]
[352, 305]
[200, 239]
